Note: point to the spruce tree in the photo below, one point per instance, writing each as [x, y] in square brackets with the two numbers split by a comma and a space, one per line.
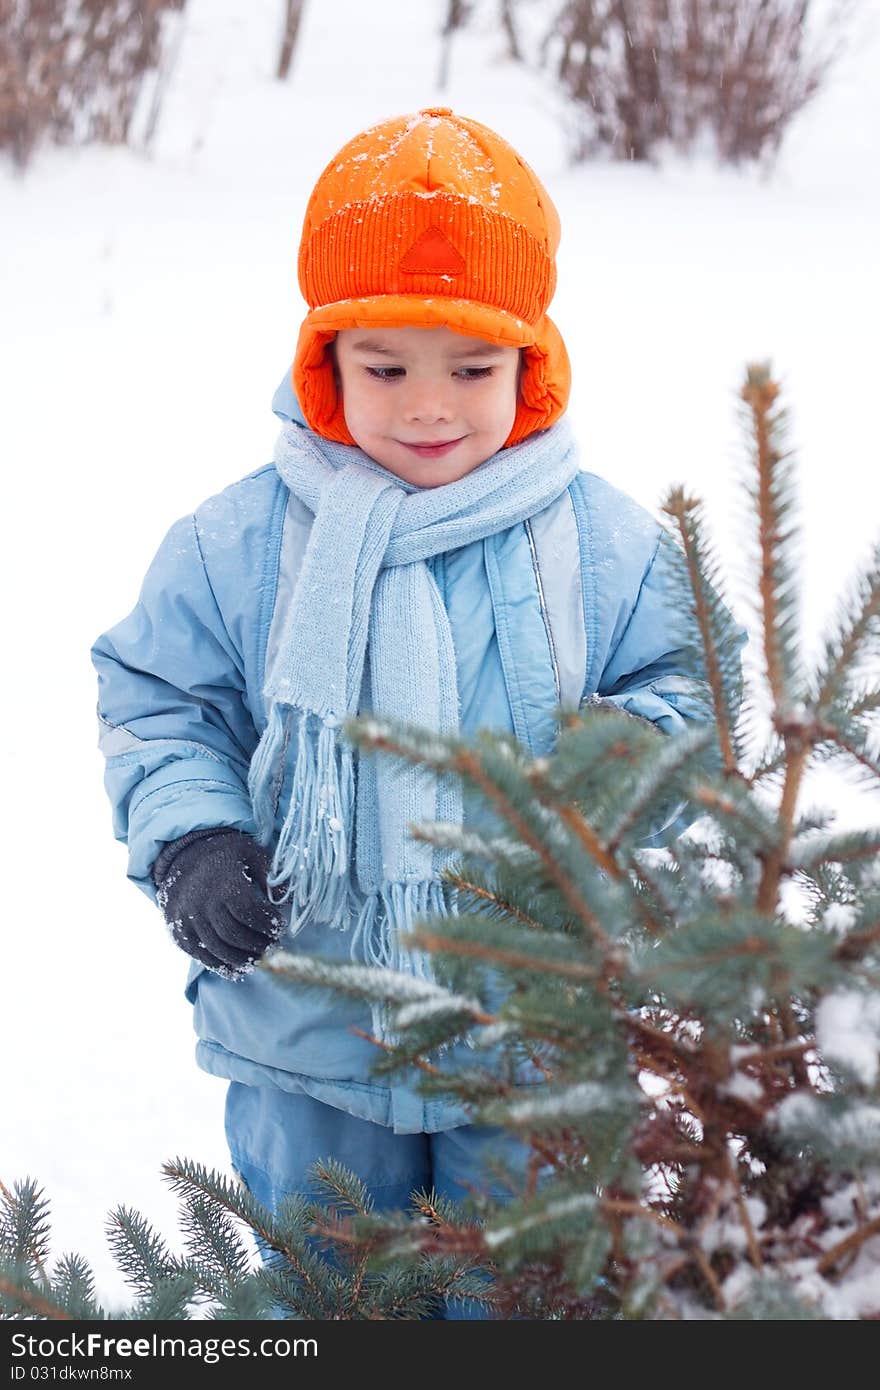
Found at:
[705, 1015]
[308, 1266]
[705, 1141]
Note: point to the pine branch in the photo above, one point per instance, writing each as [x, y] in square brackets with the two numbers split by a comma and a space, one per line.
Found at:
[141, 1255]
[768, 891]
[855, 944]
[853, 743]
[670, 1047]
[453, 836]
[856, 630]
[662, 896]
[347, 1190]
[477, 950]
[764, 1056]
[848, 1246]
[810, 853]
[190, 1179]
[712, 618]
[490, 897]
[26, 1226]
[645, 1213]
[547, 1214]
[511, 894]
[746, 1220]
[427, 1067]
[578, 824]
[773, 496]
[469, 765]
[211, 1239]
[425, 747]
[838, 734]
[74, 1284]
[669, 763]
[369, 982]
[33, 1299]
[168, 1299]
[771, 763]
[741, 815]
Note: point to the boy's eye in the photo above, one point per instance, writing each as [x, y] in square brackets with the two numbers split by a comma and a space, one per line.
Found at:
[391, 373]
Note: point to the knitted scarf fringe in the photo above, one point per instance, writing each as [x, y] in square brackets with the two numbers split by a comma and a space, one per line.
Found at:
[388, 912]
[311, 858]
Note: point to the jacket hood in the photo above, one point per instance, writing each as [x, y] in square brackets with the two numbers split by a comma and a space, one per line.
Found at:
[285, 404]
[287, 407]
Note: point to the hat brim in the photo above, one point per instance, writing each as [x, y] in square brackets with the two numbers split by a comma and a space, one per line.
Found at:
[415, 310]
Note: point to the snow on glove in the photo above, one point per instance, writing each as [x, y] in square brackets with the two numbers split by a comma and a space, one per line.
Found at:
[211, 889]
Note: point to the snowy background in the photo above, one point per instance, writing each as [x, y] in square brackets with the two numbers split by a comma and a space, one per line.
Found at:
[150, 307]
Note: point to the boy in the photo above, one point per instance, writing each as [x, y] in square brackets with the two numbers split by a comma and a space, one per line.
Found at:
[424, 546]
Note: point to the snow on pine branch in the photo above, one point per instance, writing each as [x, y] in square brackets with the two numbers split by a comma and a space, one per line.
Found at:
[579, 1099]
[449, 835]
[424, 1010]
[553, 1211]
[370, 981]
[414, 745]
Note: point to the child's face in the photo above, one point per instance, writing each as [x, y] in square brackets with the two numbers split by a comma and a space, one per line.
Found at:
[407, 386]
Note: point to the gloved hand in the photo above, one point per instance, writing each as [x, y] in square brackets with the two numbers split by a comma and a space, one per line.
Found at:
[211, 889]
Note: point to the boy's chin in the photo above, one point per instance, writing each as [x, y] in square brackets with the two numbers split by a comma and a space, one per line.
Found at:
[431, 472]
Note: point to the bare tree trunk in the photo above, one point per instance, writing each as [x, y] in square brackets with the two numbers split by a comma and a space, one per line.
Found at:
[457, 14]
[292, 16]
[509, 26]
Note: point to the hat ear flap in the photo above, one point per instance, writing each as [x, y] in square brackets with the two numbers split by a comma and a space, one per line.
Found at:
[314, 382]
[545, 383]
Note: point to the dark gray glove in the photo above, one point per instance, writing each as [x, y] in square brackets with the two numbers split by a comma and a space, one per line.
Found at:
[211, 889]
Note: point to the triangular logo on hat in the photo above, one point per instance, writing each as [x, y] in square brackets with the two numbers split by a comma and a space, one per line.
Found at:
[432, 253]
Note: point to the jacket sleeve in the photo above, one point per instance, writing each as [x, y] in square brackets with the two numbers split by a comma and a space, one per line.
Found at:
[173, 719]
[650, 674]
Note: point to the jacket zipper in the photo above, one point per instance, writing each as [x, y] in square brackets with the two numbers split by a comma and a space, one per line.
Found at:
[544, 614]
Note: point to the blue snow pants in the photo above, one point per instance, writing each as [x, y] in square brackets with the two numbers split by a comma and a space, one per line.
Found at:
[274, 1136]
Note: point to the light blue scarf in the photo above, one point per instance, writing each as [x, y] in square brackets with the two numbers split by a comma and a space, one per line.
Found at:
[364, 588]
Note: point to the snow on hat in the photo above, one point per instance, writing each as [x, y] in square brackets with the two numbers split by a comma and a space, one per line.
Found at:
[430, 219]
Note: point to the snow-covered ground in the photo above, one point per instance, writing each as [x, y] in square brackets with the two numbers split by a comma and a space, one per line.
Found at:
[150, 307]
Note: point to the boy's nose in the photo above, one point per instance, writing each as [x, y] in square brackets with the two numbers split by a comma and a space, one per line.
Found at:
[426, 406]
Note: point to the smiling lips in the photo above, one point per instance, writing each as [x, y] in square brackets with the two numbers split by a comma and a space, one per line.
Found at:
[430, 451]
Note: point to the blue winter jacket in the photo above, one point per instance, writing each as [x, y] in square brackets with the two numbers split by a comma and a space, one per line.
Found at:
[180, 713]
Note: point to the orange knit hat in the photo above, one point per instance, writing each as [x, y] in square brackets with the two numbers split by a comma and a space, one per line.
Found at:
[430, 219]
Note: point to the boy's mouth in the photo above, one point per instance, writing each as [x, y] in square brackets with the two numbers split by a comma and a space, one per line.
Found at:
[429, 450]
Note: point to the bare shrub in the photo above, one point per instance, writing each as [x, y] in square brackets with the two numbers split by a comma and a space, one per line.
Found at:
[71, 70]
[647, 73]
